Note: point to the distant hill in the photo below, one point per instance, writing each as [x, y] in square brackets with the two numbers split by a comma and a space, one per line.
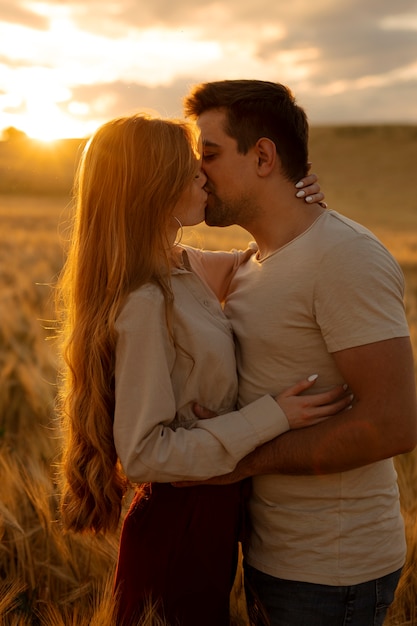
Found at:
[34, 167]
[362, 169]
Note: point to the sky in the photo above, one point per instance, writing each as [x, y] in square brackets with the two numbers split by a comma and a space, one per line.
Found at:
[67, 66]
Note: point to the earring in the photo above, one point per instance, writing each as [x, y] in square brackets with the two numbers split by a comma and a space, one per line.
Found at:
[176, 243]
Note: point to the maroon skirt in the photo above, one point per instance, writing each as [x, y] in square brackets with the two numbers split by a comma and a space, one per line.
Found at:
[179, 548]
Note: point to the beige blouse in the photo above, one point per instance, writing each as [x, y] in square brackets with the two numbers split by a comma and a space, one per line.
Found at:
[156, 433]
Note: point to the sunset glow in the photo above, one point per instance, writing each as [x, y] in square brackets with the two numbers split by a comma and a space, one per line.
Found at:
[67, 67]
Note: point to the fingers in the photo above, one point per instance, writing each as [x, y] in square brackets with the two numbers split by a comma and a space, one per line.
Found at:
[303, 410]
[311, 415]
[308, 180]
[326, 397]
[316, 413]
[309, 189]
[332, 395]
[319, 399]
[299, 387]
[311, 193]
[202, 413]
[326, 410]
[315, 197]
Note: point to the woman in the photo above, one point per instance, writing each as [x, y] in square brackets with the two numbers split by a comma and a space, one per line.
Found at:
[145, 338]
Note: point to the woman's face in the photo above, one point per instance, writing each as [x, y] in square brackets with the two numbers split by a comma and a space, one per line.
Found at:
[191, 207]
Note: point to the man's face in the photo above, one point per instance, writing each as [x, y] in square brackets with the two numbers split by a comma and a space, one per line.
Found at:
[229, 174]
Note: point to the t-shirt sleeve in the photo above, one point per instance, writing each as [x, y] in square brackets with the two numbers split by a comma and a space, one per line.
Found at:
[359, 295]
[148, 447]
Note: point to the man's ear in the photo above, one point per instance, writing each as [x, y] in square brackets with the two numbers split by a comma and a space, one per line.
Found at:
[266, 152]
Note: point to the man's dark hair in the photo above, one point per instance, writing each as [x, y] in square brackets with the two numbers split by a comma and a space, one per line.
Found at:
[255, 109]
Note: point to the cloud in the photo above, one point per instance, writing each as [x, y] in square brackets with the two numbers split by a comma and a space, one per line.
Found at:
[15, 13]
[126, 98]
[351, 39]
[343, 59]
[383, 105]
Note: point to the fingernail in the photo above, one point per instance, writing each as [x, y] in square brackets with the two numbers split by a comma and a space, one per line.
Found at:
[313, 377]
[345, 386]
[299, 184]
[300, 194]
[351, 397]
[309, 199]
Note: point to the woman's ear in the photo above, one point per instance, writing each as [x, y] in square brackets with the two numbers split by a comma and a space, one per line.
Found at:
[267, 155]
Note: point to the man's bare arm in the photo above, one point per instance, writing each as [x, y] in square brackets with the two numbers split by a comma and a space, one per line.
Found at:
[382, 422]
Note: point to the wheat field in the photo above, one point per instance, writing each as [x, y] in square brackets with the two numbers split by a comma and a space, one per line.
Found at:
[47, 577]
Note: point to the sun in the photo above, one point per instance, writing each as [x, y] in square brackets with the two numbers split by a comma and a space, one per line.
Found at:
[45, 120]
[43, 106]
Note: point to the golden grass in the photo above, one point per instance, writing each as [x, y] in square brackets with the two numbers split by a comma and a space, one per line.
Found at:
[48, 577]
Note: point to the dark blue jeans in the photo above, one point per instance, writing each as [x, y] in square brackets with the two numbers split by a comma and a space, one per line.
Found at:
[276, 602]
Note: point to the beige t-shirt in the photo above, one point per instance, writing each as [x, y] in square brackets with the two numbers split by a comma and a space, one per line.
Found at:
[156, 433]
[333, 287]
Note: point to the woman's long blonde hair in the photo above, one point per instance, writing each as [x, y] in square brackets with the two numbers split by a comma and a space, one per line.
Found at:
[132, 173]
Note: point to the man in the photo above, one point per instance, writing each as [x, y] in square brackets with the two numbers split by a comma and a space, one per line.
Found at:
[327, 541]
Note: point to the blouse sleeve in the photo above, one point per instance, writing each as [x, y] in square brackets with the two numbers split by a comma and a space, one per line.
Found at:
[148, 448]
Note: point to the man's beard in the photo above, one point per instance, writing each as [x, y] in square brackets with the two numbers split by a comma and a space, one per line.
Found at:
[219, 213]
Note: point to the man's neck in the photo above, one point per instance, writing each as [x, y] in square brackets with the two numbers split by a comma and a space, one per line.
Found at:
[276, 229]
